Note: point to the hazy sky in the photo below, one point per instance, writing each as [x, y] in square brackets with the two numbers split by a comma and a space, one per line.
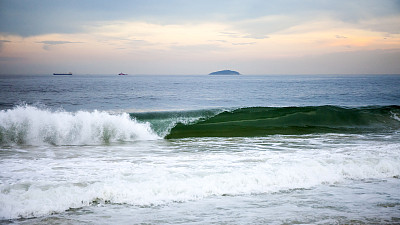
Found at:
[198, 37]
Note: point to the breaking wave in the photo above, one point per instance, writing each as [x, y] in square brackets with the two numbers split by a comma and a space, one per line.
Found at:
[29, 125]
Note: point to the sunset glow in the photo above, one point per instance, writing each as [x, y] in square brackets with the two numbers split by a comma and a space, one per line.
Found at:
[196, 46]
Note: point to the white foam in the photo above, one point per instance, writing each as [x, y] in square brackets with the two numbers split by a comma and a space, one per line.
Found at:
[395, 116]
[161, 177]
[33, 126]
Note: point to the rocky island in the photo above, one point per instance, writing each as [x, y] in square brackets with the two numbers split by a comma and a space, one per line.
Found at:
[225, 72]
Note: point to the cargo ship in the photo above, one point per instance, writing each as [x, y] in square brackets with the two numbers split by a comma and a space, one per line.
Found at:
[62, 73]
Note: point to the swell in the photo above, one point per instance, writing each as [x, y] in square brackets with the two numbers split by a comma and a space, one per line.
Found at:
[261, 121]
[29, 125]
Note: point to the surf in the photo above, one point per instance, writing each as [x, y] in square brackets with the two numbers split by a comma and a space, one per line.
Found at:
[30, 125]
[48, 184]
[262, 121]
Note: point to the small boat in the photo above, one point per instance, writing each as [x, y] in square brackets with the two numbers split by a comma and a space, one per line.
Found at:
[62, 73]
[122, 74]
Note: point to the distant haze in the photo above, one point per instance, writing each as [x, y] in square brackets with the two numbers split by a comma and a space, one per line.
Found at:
[199, 37]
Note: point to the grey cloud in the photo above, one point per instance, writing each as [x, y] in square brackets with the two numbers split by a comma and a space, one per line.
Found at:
[58, 42]
[351, 62]
[244, 43]
[237, 35]
[255, 36]
[230, 34]
[1, 44]
[48, 44]
[273, 16]
[197, 48]
[387, 26]
[222, 41]
[10, 58]
[29, 18]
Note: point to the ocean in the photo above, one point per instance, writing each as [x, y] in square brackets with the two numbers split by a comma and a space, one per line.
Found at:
[200, 149]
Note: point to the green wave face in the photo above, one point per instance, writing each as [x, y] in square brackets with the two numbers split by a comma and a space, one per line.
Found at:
[261, 121]
[162, 122]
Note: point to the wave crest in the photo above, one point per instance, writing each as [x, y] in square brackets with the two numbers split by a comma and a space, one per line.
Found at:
[34, 126]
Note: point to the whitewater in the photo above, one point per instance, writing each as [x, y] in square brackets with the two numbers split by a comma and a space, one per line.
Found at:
[30, 125]
[191, 150]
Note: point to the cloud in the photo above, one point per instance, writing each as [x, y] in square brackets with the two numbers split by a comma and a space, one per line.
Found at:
[347, 62]
[270, 17]
[255, 36]
[47, 44]
[221, 41]
[244, 43]
[58, 42]
[389, 25]
[2, 42]
[230, 34]
[10, 58]
[31, 18]
[200, 48]
[208, 31]
[264, 26]
[340, 37]
[243, 35]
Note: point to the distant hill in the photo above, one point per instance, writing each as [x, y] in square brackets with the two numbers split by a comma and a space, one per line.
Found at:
[225, 72]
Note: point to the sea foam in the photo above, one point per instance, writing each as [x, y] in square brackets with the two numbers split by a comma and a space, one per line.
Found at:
[166, 179]
[35, 126]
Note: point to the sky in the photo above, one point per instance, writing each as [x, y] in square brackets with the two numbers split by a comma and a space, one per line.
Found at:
[199, 37]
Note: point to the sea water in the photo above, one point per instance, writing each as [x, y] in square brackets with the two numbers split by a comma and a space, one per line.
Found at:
[91, 149]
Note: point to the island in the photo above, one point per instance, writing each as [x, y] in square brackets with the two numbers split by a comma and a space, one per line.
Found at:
[225, 72]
